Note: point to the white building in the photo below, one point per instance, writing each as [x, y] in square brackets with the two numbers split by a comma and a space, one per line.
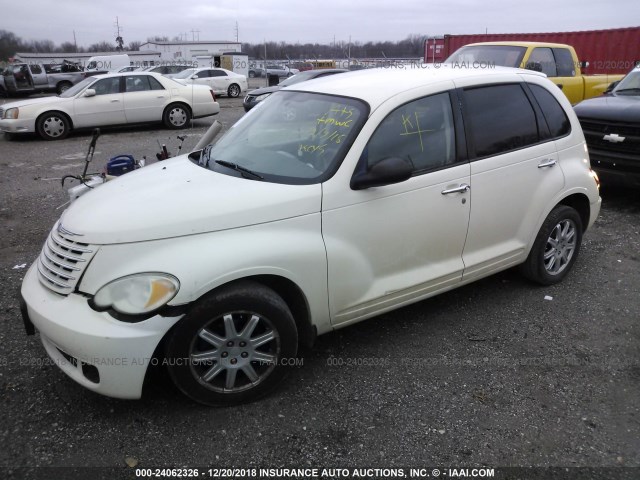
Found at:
[204, 53]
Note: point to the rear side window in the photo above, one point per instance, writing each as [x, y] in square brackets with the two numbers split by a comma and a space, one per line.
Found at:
[564, 62]
[554, 114]
[501, 119]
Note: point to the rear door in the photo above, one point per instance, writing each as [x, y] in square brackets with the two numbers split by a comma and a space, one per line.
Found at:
[514, 174]
[220, 81]
[38, 76]
[558, 65]
[144, 98]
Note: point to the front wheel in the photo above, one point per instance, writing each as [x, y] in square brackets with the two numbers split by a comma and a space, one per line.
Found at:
[229, 348]
[53, 126]
[233, 90]
[176, 116]
[555, 248]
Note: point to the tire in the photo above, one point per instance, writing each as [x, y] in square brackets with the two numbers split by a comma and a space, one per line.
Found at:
[210, 355]
[53, 126]
[176, 116]
[63, 86]
[234, 90]
[555, 248]
[252, 74]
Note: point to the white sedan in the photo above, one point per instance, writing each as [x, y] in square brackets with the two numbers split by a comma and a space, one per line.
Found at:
[220, 80]
[111, 99]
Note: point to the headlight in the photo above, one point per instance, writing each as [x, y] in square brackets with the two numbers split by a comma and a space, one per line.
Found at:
[259, 98]
[11, 113]
[137, 294]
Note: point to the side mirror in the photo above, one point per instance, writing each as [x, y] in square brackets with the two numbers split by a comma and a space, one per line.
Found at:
[385, 172]
[89, 92]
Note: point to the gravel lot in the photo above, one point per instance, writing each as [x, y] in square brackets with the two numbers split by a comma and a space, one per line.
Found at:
[501, 373]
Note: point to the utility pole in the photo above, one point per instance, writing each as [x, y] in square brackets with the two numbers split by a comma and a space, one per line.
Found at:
[119, 40]
[75, 41]
[237, 31]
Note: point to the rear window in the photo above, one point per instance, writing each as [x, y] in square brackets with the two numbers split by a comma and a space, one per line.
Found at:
[554, 114]
[501, 119]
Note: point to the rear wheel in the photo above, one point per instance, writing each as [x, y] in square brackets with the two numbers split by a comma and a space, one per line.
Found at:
[176, 116]
[228, 348]
[233, 90]
[556, 247]
[53, 126]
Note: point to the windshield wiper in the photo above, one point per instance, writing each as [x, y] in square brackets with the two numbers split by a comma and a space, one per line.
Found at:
[238, 168]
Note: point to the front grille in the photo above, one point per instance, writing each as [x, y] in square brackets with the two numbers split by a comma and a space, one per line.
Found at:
[63, 260]
[595, 131]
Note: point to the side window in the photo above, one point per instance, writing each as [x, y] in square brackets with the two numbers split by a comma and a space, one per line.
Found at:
[107, 86]
[501, 119]
[542, 60]
[136, 83]
[204, 74]
[554, 114]
[154, 84]
[36, 69]
[218, 73]
[422, 132]
[564, 62]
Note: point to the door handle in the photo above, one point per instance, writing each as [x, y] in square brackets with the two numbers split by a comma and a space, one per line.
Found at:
[547, 163]
[115, 101]
[461, 189]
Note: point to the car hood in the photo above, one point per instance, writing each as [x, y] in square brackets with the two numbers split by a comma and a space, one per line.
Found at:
[177, 197]
[619, 108]
[262, 91]
[34, 101]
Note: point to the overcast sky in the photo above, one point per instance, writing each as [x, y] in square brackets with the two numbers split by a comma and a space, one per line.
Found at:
[297, 21]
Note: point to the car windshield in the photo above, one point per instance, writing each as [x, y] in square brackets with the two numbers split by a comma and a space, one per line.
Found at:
[629, 84]
[185, 73]
[77, 88]
[291, 137]
[495, 55]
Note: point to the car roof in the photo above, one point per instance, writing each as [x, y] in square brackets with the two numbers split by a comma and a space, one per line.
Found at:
[376, 85]
[127, 74]
[519, 44]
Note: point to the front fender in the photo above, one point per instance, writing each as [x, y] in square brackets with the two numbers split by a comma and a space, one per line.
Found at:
[291, 249]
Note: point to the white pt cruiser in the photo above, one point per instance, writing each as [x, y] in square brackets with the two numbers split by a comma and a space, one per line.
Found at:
[333, 201]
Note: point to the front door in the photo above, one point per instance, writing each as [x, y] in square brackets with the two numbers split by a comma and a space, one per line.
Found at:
[106, 107]
[391, 245]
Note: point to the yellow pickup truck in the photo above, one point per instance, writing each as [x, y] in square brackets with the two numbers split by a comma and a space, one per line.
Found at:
[559, 62]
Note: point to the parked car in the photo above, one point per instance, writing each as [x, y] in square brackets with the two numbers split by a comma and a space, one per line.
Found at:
[256, 72]
[168, 69]
[373, 198]
[130, 68]
[281, 70]
[259, 94]
[557, 61]
[611, 125]
[28, 78]
[220, 80]
[111, 99]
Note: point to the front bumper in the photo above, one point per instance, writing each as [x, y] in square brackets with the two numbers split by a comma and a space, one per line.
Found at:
[99, 352]
[19, 125]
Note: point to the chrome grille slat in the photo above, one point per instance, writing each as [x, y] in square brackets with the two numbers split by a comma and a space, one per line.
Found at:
[64, 254]
[63, 260]
[60, 264]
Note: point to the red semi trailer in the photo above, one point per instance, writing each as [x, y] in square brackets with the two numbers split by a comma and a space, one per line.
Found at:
[606, 51]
